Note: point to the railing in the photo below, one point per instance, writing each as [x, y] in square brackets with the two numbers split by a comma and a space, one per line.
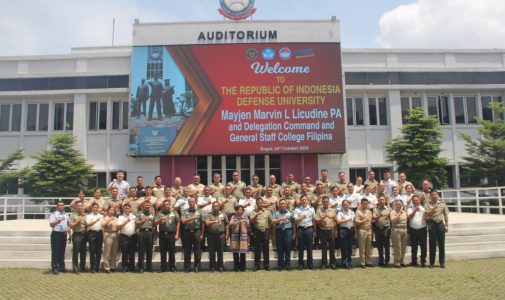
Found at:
[470, 200]
[476, 200]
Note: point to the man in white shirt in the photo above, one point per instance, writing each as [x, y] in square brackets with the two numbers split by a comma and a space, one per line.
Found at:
[248, 202]
[418, 230]
[127, 238]
[389, 182]
[205, 201]
[59, 223]
[95, 238]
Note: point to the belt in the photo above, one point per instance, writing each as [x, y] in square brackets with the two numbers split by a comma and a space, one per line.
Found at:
[326, 229]
[146, 229]
[166, 232]
[305, 228]
[283, 229]
[78, 232]
[192, 230]
[438, 222]
[128, 236]
[399, 228]
[381, 228]
[347, 228]
[261, 230]
[96, 231]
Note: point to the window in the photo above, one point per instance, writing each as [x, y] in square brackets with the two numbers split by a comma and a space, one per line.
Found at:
[97, 115]
[9, 187]
[379, 173]
[99, 181]
[119, 115]
[377, 111]
[439, 106]
[201, 169]
[10, 117]
[465, 109]
[37, 117]
[355, 111]
[487, 113]
[409, 103]
[63, 116]
[354, 173]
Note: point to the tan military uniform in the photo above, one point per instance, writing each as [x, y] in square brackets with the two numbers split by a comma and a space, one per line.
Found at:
[399, 236]
[177, 192]
[132, 202]
[440, 212]
[273, 201]
[101, 204]
[196, 188]
[159, 191]
[117, 206]
[276, 190]
[364, 236]
[294, 186]
[402, 186]
[153, 200]
[262, 222]
[291, 201]
[238, 188]
[342, 186]
[228, 207]
[256, 190]
[327, 185]
[373, 184]
[217, 190]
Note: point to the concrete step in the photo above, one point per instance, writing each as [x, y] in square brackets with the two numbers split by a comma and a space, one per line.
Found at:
[475, 231]
[23, 233]
[475, 238]
[475, 225]
[5, 240]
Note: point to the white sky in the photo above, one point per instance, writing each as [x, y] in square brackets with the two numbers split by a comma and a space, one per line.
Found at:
[33, 27]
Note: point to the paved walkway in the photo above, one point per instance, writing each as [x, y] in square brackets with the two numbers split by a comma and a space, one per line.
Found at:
[43, 225]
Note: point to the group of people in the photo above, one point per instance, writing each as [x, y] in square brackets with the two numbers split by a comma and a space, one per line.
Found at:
[239, 218]
[161, 95]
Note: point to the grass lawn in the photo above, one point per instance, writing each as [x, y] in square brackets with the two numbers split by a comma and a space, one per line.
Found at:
[473, 279]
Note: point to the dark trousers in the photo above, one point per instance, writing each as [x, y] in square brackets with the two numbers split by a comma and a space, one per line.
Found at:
[167, 245]
[216, 246]
[382, 237]
[305, 237]
[418, 238]
[191, 243]
[317, 236]
[327, 243]
[261, 243]
[78, 251]
[239, 261]
[157, 100]
[141, 106]
[58, 244]
[437, 236]
[95, 240]
[283, 240]
[346, 236]
[145, 242]
[128, 248]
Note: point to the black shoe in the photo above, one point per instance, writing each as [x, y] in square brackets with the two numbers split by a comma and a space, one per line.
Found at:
[141, 270]
[63, 271]
[186, 270]
[310, 267]
[413, 264]
[333, 266]
[397, 266]
[106, 271]
[55, 271]
[173, 270]
[381, 264]
[370, 265]
[197, 269]
[92, 271]
[76, 272]
[221, 270]
[113, 270]
[363, 266]
[423, 265]
[266, 268]
[255, 268]
[300, 268]
[402, 265]
[211, 270]
[323, 267]
[442, 266]
[288, 268]
[431, 266]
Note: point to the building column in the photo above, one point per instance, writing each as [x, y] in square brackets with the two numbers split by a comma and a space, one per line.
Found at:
[395, 112]
[80, 129]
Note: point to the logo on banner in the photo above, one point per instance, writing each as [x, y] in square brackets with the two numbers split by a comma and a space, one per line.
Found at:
[252, 53]
[237, 9]
[285, 53]
[268, 53]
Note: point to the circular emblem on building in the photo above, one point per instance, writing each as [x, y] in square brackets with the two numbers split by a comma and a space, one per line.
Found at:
[285, 53]
[252, 53]
[155, 54]
[268, 53]
[237, 9]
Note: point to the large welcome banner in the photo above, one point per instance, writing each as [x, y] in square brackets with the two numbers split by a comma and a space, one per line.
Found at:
[236, 99]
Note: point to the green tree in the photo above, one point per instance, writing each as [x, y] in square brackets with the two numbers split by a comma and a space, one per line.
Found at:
[59, 171]
[486, 156]
[417, 150]
[9, 172]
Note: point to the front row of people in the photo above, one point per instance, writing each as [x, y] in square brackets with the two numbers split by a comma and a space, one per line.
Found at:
[131, 233]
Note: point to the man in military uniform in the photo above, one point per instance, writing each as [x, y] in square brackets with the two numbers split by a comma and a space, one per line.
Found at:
[291, 183]
[304, 219]
[290, 199]
[192, 235]
[282, 221]
[140, 188]
[326, 218]
[381, 191]
[425, 193]
[177, 189]
[308, 181]
[158, 188]
[144, 222]
[59, 223]
[276, 189]
[398, 233]
[228, 202]
[78, 226]
[402, 182]
[325, 182]
[364, 225]
[80, 197]
[148, 198]
[195, 189]
[237, 185]
[114, 201]
[217, 187]
[217, 234]
[260, 221]
[131, 200]
[382, 230]
[437, 217]
[371, 182]
[270, 200]
[97, 198]
[256, 187]
[167, 195]
[342, 184]
[167, 221]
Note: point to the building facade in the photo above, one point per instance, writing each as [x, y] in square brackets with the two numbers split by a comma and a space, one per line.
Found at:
[87, 93]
